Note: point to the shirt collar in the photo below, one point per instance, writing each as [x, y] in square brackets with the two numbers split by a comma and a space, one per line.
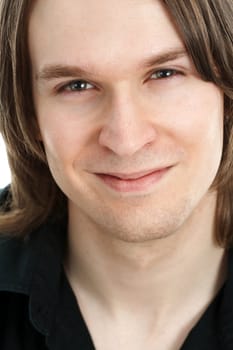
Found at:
[33, 266]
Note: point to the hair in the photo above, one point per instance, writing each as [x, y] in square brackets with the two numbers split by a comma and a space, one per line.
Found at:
[207, 32]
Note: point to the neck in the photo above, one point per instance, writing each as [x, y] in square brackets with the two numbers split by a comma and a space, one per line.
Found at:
[153, 277]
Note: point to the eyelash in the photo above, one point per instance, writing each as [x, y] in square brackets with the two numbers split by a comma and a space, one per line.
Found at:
[169, 73]
[161, 75]
[68, 87]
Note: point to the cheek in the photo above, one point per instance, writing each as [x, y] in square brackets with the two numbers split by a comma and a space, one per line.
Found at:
[196, 113]
[200, 130]
[63, 135]
[64, 146]
[191, 117]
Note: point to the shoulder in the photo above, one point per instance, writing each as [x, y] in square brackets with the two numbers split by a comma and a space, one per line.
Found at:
[16, 329]
[13, 263]
[13, 306]
[22, 257]
[15, 256]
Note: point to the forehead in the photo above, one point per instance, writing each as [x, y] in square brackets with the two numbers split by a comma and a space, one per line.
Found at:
[105, 32]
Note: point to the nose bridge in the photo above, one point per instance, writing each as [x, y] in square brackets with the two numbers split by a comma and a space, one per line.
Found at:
[127, 127]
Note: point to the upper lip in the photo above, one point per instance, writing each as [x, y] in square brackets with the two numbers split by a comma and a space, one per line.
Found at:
[135, 175]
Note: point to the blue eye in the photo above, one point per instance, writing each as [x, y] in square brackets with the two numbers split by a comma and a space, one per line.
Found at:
[77, 86]
[164, 73]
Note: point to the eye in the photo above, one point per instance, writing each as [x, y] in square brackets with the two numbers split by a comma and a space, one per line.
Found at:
[164, 74]
[76, 86]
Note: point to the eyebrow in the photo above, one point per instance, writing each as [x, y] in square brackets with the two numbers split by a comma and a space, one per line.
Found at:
[164, 57]
[55, 71]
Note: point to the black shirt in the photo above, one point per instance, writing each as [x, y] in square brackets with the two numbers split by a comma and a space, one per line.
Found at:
[38, 309]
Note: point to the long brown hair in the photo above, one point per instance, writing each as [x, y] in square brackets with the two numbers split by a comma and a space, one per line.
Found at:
[207, 31]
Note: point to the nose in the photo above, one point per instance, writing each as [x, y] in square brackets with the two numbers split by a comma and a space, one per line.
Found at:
[127, 129]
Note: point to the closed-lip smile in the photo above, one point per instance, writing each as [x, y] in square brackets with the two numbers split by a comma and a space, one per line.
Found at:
[134, 181]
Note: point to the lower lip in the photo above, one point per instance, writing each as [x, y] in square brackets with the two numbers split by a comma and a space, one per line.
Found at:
[133, 185]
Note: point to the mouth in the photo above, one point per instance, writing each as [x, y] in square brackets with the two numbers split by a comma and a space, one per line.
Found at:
[133, 182]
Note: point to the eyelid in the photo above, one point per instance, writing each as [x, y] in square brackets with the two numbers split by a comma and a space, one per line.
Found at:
[64, 87]
[174, 72]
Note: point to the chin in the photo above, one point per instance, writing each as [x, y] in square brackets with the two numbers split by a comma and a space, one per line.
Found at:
[144, 227]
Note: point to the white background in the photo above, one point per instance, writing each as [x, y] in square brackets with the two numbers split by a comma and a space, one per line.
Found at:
[5, 177]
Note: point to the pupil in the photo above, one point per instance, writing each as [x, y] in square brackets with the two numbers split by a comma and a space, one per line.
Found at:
[165, 73]
[78, 85]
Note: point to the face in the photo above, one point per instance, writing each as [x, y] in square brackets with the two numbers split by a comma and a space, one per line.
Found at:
[132, 135]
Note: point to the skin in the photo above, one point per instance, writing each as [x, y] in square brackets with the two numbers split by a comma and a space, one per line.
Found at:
[151, 247]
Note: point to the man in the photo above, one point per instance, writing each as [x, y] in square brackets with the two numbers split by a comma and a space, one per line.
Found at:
[117, 118]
